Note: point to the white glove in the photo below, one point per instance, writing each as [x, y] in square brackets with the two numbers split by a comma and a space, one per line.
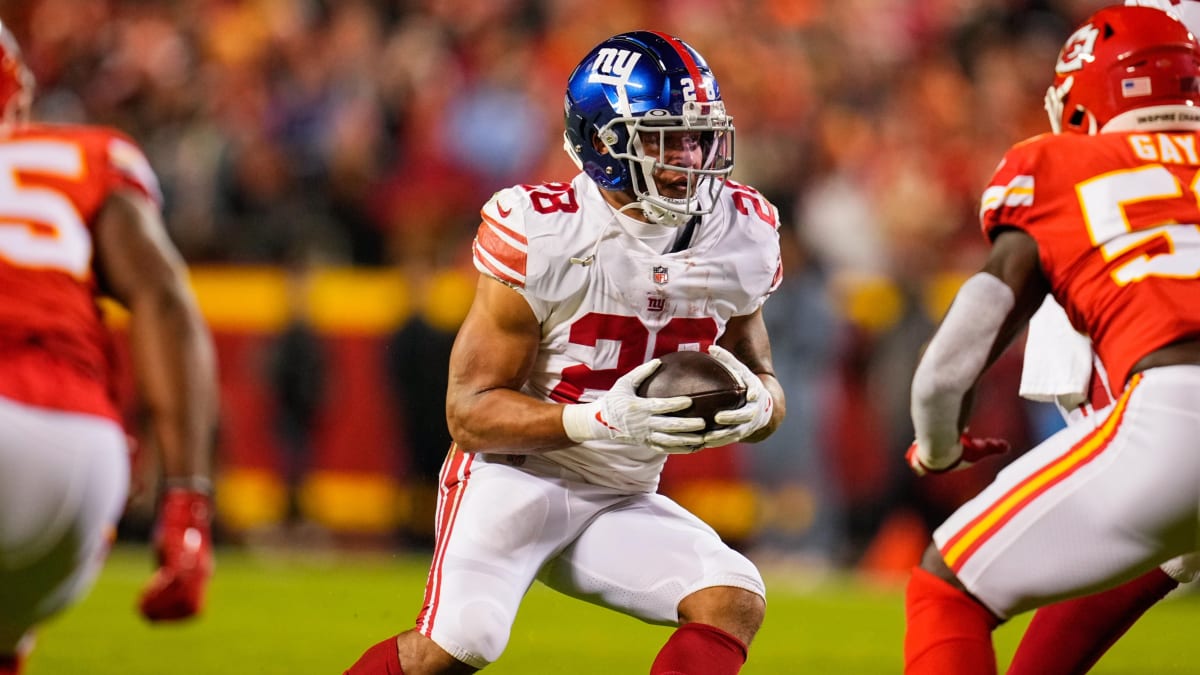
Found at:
[621, 415]
[749, 418]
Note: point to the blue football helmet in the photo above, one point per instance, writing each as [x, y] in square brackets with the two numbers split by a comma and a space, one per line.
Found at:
[632, 99]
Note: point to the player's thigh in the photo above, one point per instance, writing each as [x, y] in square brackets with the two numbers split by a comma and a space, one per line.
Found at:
[499, 524]
[1086, 509]
[63, 483]
[644, 555]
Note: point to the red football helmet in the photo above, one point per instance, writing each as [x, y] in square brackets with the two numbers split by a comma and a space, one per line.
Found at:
[16, 80]
[1126, 68]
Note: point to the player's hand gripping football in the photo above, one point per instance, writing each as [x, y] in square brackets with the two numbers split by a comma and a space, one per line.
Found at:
[966, 452]
[621, 415]
[183, 544]
[749, 418]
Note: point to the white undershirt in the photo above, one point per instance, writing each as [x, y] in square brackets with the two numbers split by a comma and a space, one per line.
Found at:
[657, 236]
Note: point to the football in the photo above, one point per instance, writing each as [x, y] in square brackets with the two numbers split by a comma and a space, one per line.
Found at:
[697, 374]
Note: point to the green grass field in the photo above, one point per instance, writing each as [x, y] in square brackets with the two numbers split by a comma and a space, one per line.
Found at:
[301, 614]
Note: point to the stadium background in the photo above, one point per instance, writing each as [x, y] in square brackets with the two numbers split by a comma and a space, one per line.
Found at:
[323, 164]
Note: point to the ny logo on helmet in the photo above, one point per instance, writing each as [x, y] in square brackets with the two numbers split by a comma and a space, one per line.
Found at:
[613, 66]
[1079, 50]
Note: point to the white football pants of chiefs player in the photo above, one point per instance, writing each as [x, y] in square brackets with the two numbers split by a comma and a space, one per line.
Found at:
[504, 522]
[63, 483]
[1091, 506]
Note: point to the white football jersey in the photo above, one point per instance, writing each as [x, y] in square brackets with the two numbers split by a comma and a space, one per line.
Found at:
[608, 302]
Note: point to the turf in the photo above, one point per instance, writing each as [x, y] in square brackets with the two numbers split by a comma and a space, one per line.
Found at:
[300, 614]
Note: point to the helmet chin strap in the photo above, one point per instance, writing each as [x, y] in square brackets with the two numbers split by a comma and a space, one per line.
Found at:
[1054, 103]
[662, 216]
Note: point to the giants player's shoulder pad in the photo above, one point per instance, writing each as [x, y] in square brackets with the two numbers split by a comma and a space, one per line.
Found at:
[751, 207]
[1008, 199]
[752, 232]
[528, 235]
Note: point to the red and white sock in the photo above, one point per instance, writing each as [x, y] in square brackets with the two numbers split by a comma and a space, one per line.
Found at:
[947, 631]
[700, 649]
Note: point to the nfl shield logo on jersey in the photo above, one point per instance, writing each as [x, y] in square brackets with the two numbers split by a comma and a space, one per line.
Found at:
[659, 274]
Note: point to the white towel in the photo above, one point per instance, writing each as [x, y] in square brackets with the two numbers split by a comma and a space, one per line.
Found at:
[1058, 359]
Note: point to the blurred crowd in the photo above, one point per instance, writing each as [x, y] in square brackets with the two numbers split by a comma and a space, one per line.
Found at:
[369, 132]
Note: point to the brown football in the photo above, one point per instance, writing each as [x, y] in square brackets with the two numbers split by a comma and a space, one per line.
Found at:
[710, 384]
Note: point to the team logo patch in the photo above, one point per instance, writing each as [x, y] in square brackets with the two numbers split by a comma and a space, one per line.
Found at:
[1079, 50]
[658, 274]
[656, 303]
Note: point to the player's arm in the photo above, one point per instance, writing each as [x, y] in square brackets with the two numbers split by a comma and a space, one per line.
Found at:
[175, 371]
[746, 349]
[172, 349]
[486, 411]
[990, 309]
[490, 361]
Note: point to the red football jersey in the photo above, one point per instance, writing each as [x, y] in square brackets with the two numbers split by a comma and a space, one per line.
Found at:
[1116, 217]
[54, 180]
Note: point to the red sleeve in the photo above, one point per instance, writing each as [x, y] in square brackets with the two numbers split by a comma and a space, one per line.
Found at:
[1008, 199]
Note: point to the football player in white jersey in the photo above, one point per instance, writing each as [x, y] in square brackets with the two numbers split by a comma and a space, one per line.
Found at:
[552, 477]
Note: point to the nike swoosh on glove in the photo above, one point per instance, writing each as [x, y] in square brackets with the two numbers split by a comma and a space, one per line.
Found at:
[968, 451]
[621, 415]
[183, 543]
[749, 418]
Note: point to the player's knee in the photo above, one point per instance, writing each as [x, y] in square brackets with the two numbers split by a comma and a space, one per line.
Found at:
[420, 654]
[735, 610]
[477, 637]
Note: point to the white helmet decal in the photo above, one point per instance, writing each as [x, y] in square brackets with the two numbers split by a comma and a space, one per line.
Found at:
[614, 67]
[1079, 50]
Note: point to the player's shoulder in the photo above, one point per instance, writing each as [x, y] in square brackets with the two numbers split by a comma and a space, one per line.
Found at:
[91, 136]
[104, 145]
[748, 212]
[111, 156]
[1012, 180]
[536, 208]
[1027, 152]
[1052, 150]
[530, 229]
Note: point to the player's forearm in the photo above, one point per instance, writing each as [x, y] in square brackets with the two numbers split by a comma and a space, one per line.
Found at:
[176, 374]
[505, 421]
[956, 357]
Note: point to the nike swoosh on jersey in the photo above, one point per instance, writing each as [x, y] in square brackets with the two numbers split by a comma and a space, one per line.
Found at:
[504, 213]
[502, 251]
